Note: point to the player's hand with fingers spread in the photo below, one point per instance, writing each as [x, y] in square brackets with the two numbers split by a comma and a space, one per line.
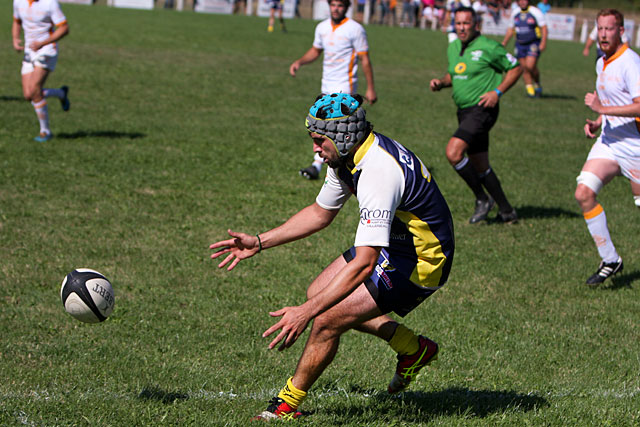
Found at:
[489, 99]
[592, 101]
[293, 323]
[241, 246]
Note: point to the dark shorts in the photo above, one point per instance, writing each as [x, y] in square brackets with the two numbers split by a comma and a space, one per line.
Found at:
[474, 124]
[275, 4]
[390, 288]
[529, 49]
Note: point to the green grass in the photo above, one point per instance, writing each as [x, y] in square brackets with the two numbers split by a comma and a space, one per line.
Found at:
[183, 125]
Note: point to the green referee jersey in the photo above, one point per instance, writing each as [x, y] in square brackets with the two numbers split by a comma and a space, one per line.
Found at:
[478, 69]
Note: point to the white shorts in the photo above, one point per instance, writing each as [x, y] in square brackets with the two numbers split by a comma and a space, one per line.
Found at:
[30, 61]
[629, 166]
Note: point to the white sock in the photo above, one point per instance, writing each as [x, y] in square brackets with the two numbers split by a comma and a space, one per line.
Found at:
[56, 93]
[317, 162]
[597, 224]
[43, 115]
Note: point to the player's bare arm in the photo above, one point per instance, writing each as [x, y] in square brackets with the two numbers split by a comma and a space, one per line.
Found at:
[310, 56]
[309, 220]
[15, 34]
[294, 320]
[543, 40]
[60, 31]
[592, 101]
[490, 99]
[507, 36]
[370, 96]
[436, 84]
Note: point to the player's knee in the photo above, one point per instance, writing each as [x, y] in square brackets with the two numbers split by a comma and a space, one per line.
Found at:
[31, 94]
[454, 154]
[326, 325]
[589, 185]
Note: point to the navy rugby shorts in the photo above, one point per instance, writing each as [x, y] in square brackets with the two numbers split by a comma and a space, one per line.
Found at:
[391, 288]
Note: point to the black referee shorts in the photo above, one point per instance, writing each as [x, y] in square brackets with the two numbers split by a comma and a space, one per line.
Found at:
[474, 124]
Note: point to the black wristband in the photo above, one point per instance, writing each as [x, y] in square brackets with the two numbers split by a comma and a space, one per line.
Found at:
[259, 243]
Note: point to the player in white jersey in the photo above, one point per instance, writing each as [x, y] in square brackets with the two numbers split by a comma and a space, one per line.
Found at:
[593, 39]
[617, 149]
[344, 43]
[43, 24]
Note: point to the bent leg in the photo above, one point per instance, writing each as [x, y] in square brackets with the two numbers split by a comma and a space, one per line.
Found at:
[456, 149]
[595, 174]
[324, 338]
[490, 180]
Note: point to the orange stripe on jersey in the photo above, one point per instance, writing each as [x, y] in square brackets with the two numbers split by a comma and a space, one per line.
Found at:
[351, 64]
[594, 212]
[60, 24]
[615, 56]
[335, 27]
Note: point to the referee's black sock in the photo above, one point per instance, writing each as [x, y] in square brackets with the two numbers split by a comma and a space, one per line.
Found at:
[469, 175]
[491, 182]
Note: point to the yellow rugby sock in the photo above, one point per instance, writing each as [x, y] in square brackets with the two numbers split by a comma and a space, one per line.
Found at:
[291, 394]
[404, 341]
[530, 90]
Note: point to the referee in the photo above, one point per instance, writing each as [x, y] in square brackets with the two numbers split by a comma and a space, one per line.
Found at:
[475, 69]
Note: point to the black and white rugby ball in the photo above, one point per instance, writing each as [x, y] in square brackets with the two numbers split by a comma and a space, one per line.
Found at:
[87, 295]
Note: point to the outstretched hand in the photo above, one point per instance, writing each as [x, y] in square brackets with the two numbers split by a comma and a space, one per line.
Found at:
[241, 246]
[293, 323]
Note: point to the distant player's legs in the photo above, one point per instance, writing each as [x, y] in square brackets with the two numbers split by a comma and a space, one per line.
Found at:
[490, 181]
[32, 84]
[595, 174]
[531, 75]
[456, 149]
[282, 27]
[272, 18]
[528, 63]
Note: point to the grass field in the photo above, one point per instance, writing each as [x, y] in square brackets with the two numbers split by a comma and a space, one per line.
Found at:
[184, 125]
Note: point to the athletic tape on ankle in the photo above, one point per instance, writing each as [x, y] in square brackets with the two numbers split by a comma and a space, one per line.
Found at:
[590, 180]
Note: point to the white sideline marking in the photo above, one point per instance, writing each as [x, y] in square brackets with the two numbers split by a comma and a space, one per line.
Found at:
[208, 395]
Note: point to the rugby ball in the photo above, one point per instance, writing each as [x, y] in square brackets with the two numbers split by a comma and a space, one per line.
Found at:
[87, 295]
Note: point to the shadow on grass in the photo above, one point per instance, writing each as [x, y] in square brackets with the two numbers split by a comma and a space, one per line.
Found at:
[454, 401]
[100, 134]
[154, 393]
[557, 96]
[544, 212]
[6, 98]
[621, 281]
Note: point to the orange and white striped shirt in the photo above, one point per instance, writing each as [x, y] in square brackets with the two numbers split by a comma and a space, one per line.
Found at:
[39, 19]
[341, 44]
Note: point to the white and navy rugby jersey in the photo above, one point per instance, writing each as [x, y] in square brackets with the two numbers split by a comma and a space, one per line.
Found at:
[527, 24]
[401, 208]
